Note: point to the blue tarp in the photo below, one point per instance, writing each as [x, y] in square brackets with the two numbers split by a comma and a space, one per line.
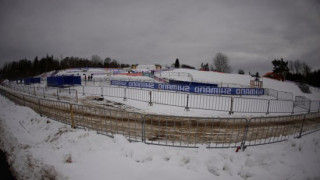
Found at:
[31, 80]
[63, 80]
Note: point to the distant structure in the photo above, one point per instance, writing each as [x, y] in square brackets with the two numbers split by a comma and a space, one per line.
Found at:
[273, 75]
[145, 67]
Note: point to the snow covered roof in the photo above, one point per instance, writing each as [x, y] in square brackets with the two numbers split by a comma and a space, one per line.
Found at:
[146, 67]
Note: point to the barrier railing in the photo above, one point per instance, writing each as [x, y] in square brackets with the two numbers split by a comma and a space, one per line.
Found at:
[68, 93]
[189, 101]
[279, 95]
[173, 131]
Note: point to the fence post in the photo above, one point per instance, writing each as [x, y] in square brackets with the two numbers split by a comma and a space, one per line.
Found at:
[268, 107]
[150, 102]
[231, 107]
[44, 93]
[77, 100]
[293, 107]
[302, 125]
[24, 101]
[143, 132]
[309, 107]
[39, 107]
[58, 94]
[83, 90]
[243, 143]
[71, 116]
[125, 94]
[187, 106]
[319, 107]
[101, 91]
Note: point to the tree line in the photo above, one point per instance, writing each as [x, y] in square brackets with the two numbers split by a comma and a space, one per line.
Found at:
[297, 71]
[28, 68]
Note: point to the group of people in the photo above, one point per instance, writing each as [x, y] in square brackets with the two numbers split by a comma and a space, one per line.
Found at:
[89, 77]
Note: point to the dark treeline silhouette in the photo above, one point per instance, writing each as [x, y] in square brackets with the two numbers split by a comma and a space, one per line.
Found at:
[28, 68]
[311, 78]
[297, 71]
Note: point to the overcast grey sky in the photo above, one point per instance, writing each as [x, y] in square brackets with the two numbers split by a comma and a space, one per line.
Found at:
[251, 32]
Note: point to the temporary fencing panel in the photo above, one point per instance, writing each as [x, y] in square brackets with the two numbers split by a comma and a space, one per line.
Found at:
[192, 132]
[314, 106]
[217, 103]
[280, 106]
[136, 94]
[311, 123]
[169, 98]
[113, 91]
[265, 130]
[250, 105]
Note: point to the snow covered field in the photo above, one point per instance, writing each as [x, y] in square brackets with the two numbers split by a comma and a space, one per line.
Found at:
[40, 148]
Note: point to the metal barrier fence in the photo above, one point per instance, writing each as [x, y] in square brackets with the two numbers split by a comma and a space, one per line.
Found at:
[279, 95]
[68, 93]
[175, 131]
[179, 74]
[226, 104]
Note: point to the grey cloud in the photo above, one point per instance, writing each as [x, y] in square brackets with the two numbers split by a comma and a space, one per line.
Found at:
[251, 33]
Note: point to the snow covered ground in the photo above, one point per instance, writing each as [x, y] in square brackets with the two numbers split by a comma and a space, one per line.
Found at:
[40, 148]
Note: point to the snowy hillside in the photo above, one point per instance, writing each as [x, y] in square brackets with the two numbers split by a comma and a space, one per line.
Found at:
[225, 79]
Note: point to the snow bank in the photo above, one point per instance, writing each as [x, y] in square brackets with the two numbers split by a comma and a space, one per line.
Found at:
[41, 148]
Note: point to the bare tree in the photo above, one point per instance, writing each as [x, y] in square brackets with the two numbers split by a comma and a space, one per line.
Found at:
[291, 67]
[305, 69]
[297, 66]
[96, 60]
[221, 62]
